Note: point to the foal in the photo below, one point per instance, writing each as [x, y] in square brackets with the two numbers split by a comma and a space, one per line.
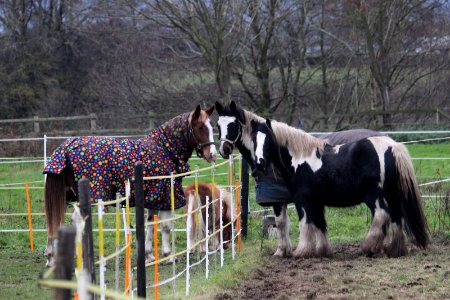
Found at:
[206, 190]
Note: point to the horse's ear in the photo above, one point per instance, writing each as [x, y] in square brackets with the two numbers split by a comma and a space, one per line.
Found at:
[233, 106]
[219, 107]
[269, 123]
[210, 110]
[196, 113]
[238, 112]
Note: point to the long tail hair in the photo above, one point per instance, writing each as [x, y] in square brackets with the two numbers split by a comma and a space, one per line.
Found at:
[55, 201]
[414, 217]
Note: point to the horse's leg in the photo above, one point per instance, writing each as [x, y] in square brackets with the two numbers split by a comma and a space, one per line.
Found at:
[203, 232]
[149, 257]
[191, 202]
[305, 247]
[284, 248]
[323, 247]
[397, 246]
[373, 243]
[55, 208]
[201, 202]
[165, 232]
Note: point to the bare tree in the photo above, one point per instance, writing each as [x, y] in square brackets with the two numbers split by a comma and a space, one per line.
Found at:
[211, 29]
[393, 32]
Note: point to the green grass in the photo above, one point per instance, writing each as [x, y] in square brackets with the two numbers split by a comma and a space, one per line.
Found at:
[19, 279]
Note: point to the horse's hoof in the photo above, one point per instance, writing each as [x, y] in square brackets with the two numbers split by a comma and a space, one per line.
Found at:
[324, 252]
[284, 253]
[50, 263]
[170, 261]
[50, 259]
[287, 252]
[372, 246]
[396, 250]
[149, 258]
[304, 253]
[278, 253]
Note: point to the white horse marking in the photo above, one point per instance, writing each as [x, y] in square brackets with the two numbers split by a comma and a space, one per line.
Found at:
[212, 148]
[223, 123]
[312, 160]
[381, 144]
[260, 138]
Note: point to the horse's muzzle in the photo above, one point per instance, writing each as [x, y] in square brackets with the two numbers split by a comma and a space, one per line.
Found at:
[226, 149]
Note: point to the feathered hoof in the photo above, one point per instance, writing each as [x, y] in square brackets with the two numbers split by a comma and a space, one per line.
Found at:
[396, 249]
[304, 253]
[284, 253]
[372, 246]
[278, 253]
[324, 252]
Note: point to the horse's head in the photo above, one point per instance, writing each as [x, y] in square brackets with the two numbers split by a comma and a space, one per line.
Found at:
[201, 133]
[264, 142]
[230, 123]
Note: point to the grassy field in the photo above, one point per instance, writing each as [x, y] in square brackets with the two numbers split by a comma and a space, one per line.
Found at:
[21, 268]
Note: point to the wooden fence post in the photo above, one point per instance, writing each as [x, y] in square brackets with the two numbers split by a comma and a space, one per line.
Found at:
[140, 232]
[88, 243]
[244, 197]
[93, 121]
[36, 124]
[64, 260]
[151, 120]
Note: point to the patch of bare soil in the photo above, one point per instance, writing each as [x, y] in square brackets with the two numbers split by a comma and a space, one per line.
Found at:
[348, 274]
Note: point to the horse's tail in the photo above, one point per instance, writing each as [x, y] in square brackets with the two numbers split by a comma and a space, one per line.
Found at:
[189, 194]
[227, 199]
[412, 209]
[55, 201]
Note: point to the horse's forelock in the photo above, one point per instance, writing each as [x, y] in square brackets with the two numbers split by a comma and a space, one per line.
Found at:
[249, 117]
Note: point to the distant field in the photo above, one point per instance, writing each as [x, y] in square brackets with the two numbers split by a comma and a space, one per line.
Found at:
[18, 279]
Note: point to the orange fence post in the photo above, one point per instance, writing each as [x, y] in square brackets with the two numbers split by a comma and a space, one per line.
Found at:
[155, 254]
[238, 217]
[30, 223]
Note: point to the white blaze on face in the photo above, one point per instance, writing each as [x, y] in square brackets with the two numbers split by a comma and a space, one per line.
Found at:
[223, 123]
[212, 147]
[259, 153]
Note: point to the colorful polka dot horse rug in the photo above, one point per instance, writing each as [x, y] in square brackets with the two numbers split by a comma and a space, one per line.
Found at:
[109, 162]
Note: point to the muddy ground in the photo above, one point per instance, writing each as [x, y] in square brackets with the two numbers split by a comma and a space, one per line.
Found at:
[348, 274]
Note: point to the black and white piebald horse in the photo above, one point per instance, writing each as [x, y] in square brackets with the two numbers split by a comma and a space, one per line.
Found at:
[234, 131]
[375, 170]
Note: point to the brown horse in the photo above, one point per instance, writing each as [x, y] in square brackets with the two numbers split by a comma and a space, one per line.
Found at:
[205, 190]
[109, 162]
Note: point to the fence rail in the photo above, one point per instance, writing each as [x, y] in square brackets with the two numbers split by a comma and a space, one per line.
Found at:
[136, 275]
[440, 116]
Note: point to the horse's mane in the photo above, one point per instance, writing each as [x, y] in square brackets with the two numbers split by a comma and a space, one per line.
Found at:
[296, 140]
[249, 116]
